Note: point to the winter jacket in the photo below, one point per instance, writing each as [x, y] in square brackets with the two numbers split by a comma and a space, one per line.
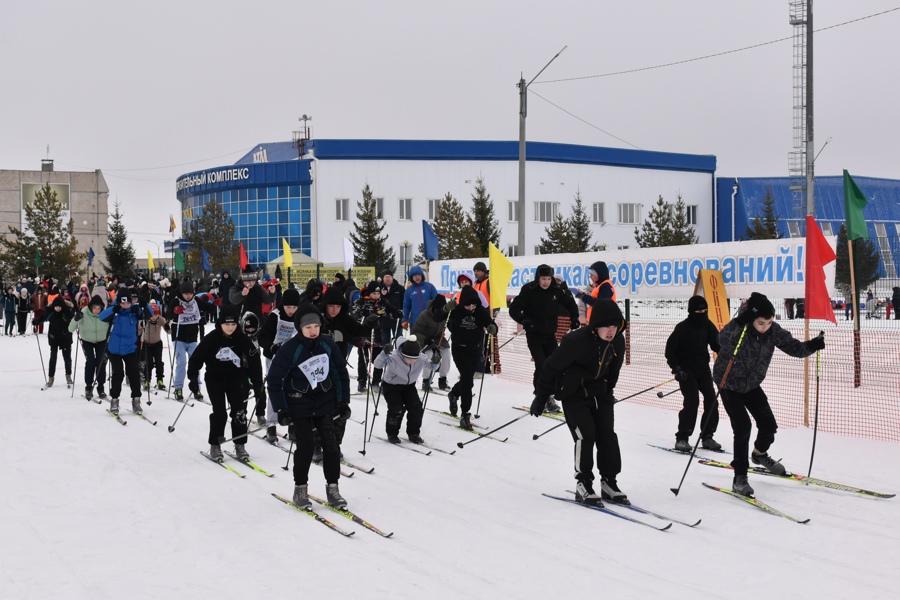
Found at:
[393, 295]
[467, 326]
[57, 323]
[585, 368]
[895, 299]
[187, 324]
[252, 302]
[537, 308]
[687, 344]
[396, 371]
[225, 286]
[289, 387]
[91, 329]
[225, 358]
[23, 304]
[152, 329]
[429, 327]
[416, 297]
[123, 335]
[100, 290]
[10, 302]
[313, 292]
[343, 328]
[754, 355]
[366, 306]
[276, 330]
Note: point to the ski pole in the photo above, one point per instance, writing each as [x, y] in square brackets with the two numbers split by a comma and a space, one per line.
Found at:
[75, 366]
[484, 344]
[644, 391]
[290, 448]
[540, 435]
[242, 436]
[487, 433]
[37, 338]
[514, 336]
[661, 395]
[146, 345]
[816, 418]
[706, 417]
[175, 351]
[372, 429]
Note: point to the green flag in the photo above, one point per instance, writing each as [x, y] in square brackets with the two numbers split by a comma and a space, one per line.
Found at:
[37, 258]
[179, 260]
[854, 203]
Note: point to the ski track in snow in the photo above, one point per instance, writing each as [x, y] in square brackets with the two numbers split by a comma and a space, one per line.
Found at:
[91, 509]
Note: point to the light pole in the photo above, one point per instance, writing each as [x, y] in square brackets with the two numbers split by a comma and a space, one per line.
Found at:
[405, 260]
[523, 112]
[157, 257]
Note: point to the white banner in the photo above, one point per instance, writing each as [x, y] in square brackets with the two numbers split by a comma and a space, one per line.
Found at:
[773, 267]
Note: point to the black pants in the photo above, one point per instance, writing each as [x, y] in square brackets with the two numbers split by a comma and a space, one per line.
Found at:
[591, 424]
[737, 405]
[540, 348]
[22, 318]
[403, 399]
[122, 366]
[696, 384]
[236, 394]
[362, 364]
[153, 360]
[303, 431]
[254, 365]
[67, 358]
[10, 322]
[465, 358]
[94, 363]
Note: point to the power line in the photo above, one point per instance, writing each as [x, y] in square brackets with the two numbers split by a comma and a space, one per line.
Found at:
[586, 122]
[193, 162]
[689, 60]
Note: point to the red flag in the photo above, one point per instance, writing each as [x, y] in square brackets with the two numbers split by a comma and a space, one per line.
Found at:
[244, 260]
[818, 254]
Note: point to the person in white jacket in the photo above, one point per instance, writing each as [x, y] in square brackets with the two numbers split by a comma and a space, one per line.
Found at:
[402, 368]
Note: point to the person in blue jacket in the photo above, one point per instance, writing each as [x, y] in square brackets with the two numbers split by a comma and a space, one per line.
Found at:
[309, 387]
[417, 296]
[122, 347]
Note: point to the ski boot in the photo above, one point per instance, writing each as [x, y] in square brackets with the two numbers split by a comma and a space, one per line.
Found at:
[100, 393]
[711, 444]
[454, 400]
[609, 490]
[771, 465]
[683, 446]
[465, 421]
[179, 395]
[49, 382]
[215, 452]
[426, 385]
[415, 438]
[318, 454]
[443, 385]
[361, 387]
[89, 392]
[272, 434]
[197, 394]
[136, 406]
[301, 496]
[241, 452]
[552, 405]
[584, 493]
[160, 385]
[393, 438]
[69, 381]
[114, 406]
[333, 495]
[147, 386]
[741, 486]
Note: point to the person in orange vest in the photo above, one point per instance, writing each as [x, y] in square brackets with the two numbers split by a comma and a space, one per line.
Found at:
[464, 280]
[602, 288]
[482, 282]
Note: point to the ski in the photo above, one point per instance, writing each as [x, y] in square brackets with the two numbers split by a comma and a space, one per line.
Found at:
[446, 414]
[117, 417]
[92, 399]
[674, 451]
[490, 437]
[142, 416]
[609, 512]
[760, 505]
[312, 514]
[223, 465]
[343, 472]
[178, 401]
[411, 447]
[352, 516]
[347, 463]
[648, 512]
[250, 464]
[558, 416]
[804, 479]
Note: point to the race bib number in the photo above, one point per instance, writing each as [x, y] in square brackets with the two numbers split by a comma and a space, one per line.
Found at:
[315, 369]
[227, 354]
[191, 314]
[286, 330]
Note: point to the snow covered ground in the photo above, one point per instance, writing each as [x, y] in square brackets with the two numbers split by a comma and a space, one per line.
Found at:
[92, 509]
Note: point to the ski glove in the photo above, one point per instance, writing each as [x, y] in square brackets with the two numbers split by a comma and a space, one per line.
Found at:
[274, 349]
[817, 343]
[528, 324]
[492, 329]
[178, 310]
[370, 321]
[388, 348]
[343, 413]
[537, 406]
[574, 325]
[680, 375]
[451, 304]
[436, 357]
[404, 325]
[284, 417]
[78, 315]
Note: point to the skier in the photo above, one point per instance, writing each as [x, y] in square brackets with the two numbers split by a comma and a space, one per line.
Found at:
[467, 325]
[418, 293]
[122, 348]
[92, 332]
[308, 386]
[223, 351]
[393, 293]
[276, 330]
[337, 322]
[429, 332]
[688, 357]
[250, 327]
[368, 305]
[57, 319]
[582, 374]
[758, 335]
[185, 311]
[10, 302]
[401, 371]
[248, 295]
[536, 309]
[23, 307]
[151, 338]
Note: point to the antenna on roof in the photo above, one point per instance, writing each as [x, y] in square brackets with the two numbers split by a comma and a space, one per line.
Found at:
[302, 136]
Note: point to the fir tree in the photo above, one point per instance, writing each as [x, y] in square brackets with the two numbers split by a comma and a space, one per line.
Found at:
[453, 230]
[559, 236]
[44, 231]
[657, 227]
[682, 231]
[580, 228]
[369, 246]
[213, 231]
[765, 225]
[865, 256]
[119, 251]
[484, 224]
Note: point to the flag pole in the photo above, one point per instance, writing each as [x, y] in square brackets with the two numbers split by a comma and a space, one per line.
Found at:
[855, 299]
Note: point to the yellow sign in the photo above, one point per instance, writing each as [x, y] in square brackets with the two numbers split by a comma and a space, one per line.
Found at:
[301, 275]
[711, 286]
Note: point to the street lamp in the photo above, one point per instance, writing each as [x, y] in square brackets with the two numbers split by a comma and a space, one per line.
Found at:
[405, 260]
[523, 112]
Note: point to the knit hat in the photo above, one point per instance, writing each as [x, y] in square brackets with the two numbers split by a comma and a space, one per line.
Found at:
[228, 314]
[339, 276]
[290, 297]
[758, 306]
[58, 301]
[438, 304]
[307, 314]
[543, 271]
[249, 274]
[468, 295]
[606, 313]
[186, 287]
[250, 323]
[373, 286]
[123, 295]
[410, 348]
[95, 301]
[600, 270]
[697, 303]
[479, 266]
[387, 272]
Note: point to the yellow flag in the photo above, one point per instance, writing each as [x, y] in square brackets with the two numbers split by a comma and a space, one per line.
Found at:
[501, 272]
[288, 257]
[150, 264]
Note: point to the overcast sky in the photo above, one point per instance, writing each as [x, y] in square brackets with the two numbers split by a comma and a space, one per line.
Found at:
[149, 91]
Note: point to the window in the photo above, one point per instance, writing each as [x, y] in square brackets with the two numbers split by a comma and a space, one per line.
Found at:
[826, 228]
[545, 212]
[433, 208]
[512, 250]
[379, 208]
[884, 246]
[598, 213]
[537, 250]
[341, 206]
[625, 247]
[513, 211]
[405, 254]
[406, 209]
[629, 214]
[794, 229]
[691, 211]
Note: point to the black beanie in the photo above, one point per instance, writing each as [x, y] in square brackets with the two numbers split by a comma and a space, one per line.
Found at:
[186, 287]
[373, 286]
[544, 271]
[410, 348]
[438, 303]
[758, 306]
[228, 314]
[697, 303]
[469, 295]
[96, 301]
[605, 313]
[479, 266]
[290, 297]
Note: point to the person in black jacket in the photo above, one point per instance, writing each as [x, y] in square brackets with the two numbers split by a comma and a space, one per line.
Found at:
[57, 319]
[751, 339]
[687, 355]
[248, 295]
[392, 293]
[340, 326]
[536, 308]
[184, 313]
[309, 386]
[224, 353]
[467, 324]
[276, 330]
[225, 286]
[582, 374]
[895, 303]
